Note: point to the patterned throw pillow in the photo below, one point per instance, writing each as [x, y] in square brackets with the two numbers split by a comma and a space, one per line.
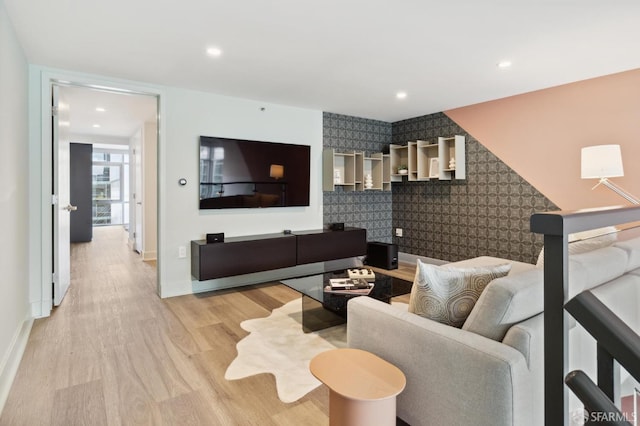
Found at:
[447, 294]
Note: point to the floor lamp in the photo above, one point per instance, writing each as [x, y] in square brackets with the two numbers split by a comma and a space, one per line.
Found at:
[604, 162]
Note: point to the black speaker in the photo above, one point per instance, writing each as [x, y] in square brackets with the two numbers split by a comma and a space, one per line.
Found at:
[382, 255]
[215, 238]
[338, 226]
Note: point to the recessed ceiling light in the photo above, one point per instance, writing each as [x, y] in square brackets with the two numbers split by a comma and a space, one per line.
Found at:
[96, 126]
[401, 95]
[100, 109]
[214, 51]
[504, 64]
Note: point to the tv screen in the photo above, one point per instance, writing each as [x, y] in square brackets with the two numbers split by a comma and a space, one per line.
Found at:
[236, 173]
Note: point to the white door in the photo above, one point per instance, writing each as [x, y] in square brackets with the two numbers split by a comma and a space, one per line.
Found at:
[137, 164]
[61, 189]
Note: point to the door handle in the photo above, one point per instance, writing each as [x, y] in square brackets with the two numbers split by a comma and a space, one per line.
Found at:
[70, 208]
[139, 203]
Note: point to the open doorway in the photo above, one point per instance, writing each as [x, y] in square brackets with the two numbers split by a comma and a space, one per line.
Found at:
[111, 137]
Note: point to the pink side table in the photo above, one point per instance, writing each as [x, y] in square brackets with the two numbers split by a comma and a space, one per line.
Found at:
[362, 387]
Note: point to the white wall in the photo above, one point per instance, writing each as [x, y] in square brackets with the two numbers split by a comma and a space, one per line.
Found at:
[14, 311]
[190, 114]
[184, 115]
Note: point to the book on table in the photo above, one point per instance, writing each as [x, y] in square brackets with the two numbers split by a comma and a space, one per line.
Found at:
[349, 286]
[363, 273]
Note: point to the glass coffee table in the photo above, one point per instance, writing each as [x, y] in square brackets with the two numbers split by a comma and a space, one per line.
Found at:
[321, 309]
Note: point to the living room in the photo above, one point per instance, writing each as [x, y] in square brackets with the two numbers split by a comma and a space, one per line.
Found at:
[441, 220]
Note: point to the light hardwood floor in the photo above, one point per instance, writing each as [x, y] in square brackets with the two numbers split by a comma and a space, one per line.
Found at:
[114, 353]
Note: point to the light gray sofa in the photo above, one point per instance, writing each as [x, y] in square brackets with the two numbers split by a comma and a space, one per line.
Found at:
[490, 372]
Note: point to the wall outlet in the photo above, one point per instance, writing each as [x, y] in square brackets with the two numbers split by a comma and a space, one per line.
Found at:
[398, 232]
[182, 252]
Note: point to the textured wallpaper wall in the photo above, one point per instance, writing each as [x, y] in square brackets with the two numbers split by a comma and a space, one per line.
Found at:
[486, 214]
[371, 210]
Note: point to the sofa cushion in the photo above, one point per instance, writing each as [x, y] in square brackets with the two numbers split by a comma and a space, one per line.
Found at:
[505, 302]
[591, 269]
[447, 294]
[516, 267]
[509, 300]
[632, 247]
[582, 242]
[621, 295]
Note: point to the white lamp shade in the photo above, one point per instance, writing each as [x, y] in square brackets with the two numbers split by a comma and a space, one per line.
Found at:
[601, 161]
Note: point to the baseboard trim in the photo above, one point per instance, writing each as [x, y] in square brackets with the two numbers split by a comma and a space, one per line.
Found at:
[412, 258]
[149, 255]
[11, 360]
[41, 309]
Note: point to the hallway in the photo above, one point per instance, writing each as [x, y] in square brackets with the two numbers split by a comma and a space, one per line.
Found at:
[115, 353]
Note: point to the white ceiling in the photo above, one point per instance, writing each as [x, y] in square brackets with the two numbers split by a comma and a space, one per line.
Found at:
[123, 113]
[343, 56]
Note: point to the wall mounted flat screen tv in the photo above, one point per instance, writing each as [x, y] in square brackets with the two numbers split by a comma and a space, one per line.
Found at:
[236, 173]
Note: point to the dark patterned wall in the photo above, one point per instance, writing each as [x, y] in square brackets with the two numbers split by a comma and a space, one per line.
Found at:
[485, 215]
[371, 210]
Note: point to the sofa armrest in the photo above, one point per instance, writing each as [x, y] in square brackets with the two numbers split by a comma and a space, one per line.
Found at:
[453, 376]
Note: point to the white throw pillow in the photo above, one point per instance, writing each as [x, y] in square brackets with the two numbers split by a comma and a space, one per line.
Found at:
[447, 294]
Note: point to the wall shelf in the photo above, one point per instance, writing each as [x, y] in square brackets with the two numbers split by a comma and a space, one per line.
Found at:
[429, 161]
[338, 169]
[425, 161]
[448, 149]
[353, 168]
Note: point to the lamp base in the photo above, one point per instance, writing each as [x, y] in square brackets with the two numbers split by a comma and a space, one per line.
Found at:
[615, 188]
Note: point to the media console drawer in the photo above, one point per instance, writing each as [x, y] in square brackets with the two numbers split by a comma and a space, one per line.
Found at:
[256, 253]
[238, 256]
[321, 246]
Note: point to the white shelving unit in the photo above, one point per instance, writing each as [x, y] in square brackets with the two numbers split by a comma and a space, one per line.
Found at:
[359, 179]
[350, 169]
[448, 149]
[338, 169]
[398, 156]
[426, 153]
[386, 172]
[425, 160]
[374, 166]
[429, 160]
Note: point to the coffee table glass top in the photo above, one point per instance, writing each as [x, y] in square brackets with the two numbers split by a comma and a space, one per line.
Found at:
[322, 309]
[313, 286]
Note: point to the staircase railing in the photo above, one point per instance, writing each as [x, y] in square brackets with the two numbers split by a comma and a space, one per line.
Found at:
[616, 341]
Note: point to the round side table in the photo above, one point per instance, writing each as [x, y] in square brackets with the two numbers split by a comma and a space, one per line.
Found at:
[362, 387]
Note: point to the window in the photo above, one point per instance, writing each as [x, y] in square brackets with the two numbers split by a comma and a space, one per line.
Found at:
[110, 174]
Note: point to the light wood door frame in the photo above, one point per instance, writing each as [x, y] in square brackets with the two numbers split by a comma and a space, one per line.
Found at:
[42, 302]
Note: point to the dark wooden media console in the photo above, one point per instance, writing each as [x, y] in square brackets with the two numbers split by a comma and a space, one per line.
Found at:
[323, 245]
[256, 253]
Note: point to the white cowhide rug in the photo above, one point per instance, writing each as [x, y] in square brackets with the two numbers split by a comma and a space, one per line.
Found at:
[277, 345]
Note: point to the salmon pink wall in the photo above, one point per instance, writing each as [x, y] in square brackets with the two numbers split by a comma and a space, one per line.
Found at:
[540, 134]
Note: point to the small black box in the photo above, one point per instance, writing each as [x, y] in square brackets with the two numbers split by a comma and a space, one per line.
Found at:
[338, 226]
[215, 238]
[382, 255]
